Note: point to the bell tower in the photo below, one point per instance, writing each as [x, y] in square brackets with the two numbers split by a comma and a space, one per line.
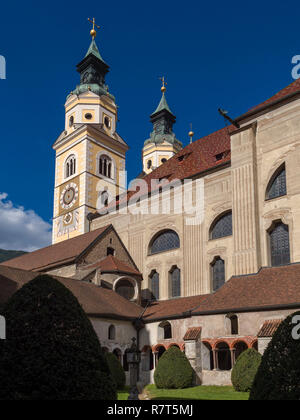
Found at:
[162, 144]
[90, 154]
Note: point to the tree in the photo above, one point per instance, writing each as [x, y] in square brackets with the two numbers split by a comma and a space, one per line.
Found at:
[245, 369]
[52, 351]
[116, 370]
[173, 370]
[278, 375]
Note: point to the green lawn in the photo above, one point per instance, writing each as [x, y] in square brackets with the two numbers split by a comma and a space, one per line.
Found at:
[123, 394]
[197, 393]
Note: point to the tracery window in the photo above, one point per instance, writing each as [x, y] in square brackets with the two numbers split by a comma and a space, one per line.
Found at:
[222, 226]
[277, 184]
[279, 244]
[164, 241]
[175, 282]
[218, 273]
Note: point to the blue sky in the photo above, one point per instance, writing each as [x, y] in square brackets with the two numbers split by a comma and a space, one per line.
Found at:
[212, 53]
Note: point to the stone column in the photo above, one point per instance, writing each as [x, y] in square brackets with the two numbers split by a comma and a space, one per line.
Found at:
[193, 353]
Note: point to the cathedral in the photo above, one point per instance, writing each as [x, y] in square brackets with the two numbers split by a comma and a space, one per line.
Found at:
[213, 282]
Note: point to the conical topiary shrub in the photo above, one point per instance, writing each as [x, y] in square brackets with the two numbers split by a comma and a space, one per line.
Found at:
[278, 377]
[116, 370]
[52, 351]
[173, 370]
[245, 369]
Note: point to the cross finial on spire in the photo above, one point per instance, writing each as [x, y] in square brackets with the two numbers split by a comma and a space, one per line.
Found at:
[164, 84]
[93, 31]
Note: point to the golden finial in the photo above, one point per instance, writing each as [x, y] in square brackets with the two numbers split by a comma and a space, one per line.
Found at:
[93, 31]
[191, 134]
[164, 83]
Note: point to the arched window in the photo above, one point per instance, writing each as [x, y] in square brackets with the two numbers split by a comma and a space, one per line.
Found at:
[279, 244]
[239, 348]
[105, 166]
[103, 196]
[154, 285]
[70, 166]
[222, 226]
[125, 288]
[164, 241]
[164, 331]
[233, 324]
[218, 273]
[223, 357]
[175, 283]
[277, 185]
[112, 332]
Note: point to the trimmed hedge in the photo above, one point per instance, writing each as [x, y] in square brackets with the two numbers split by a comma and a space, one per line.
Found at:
[52, 351]
[278, 377]
[173, 370]
[245, 369]
[116, 370]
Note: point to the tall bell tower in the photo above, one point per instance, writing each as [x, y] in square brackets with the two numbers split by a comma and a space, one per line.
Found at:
[162, 144]
[90, 155]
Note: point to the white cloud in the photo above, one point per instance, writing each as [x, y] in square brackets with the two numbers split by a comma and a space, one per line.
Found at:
[21, 229]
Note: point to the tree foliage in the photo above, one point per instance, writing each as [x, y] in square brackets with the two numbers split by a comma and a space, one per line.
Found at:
[173, 370]
[116, 370]
[245, 369]
[52, 351]
[279, 372]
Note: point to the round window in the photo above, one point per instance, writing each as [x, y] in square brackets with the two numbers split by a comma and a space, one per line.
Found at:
[88, 116]
[125, 288]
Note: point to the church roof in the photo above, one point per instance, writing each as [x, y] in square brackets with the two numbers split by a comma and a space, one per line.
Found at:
[64, 252]
[200, 156]
[269, 328]
[163, 105]
[270, 288]
[93, 49]
[112, 264]
[95, 301]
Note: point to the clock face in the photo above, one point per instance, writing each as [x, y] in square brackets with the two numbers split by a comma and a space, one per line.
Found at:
[69, 195]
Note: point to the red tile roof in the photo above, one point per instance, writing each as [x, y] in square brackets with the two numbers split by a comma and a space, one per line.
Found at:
[276, 287]
[200, 156]
[294, 87]
[192, 334]
[172, 308]
[270, 287]
[111, 264]
[96, 301]
[269, 328]
[61, 253]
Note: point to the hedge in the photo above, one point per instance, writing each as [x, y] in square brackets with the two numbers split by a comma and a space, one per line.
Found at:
[245, 369]
[52, 351]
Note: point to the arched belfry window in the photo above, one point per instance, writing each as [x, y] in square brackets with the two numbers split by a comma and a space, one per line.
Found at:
[175, 282]
[105, 166]
[279, 244]
[277, 185]
[222, 226]
[70, 166]
[218, 273]
[154, 285]
[164, 241]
